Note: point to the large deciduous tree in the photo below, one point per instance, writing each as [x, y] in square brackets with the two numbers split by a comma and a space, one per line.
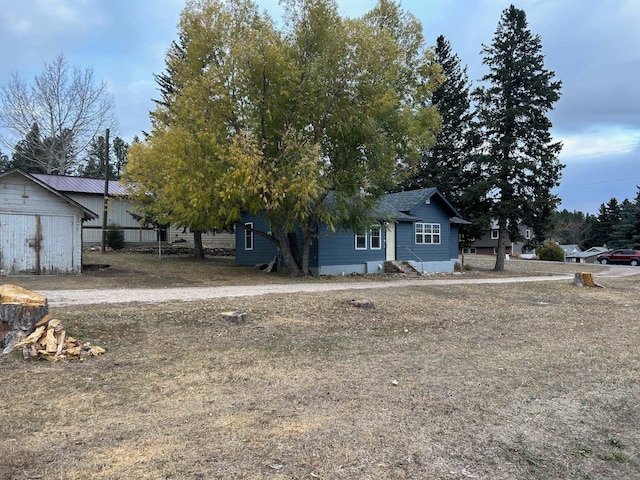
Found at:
[66, 105]
[521, 160]
[303, 124]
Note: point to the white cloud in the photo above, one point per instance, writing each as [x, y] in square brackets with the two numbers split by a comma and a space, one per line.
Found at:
[599, 143]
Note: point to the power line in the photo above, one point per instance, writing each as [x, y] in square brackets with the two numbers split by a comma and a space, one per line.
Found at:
[598, 183]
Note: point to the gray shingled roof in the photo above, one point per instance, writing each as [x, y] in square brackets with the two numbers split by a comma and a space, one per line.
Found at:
[400, 204]
[80, 184]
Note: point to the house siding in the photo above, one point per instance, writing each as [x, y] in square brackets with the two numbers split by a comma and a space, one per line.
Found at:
[118, 209]
[337, 254]
[263, 250]
[407, 249]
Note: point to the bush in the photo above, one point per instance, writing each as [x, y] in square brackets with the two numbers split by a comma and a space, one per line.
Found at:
[550, 251]
[115, 237]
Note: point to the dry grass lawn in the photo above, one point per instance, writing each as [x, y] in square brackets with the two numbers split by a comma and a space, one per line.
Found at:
[521, 381]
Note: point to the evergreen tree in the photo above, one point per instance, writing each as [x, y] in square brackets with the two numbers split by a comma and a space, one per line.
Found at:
[450, 164]
[120, 151]
[603, 225]
[5, 163]
[626, 232]
[521, 161]
[29, 152]
[94, 163]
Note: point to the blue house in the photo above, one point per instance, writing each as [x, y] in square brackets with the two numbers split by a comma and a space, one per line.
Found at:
[419, 227]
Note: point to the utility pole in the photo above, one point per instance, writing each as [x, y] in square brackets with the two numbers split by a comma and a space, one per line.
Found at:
[106, 191]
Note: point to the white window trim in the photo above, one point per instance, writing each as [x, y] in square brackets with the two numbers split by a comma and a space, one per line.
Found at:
[378, 229]
[527, 234]
[362, 235]
[495, 234]
[424, 234]
[248, 226]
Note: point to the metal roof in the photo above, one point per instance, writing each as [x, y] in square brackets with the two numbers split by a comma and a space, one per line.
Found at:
[87, 214]
[67, 184]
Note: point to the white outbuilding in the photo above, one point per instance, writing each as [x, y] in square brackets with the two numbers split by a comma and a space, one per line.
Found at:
[40, 227]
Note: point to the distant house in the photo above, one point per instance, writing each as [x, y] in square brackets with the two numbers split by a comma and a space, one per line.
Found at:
[419, 227]
[570, 249]
[40, 227]
[89, 192]
[588, 256]
[487, 244]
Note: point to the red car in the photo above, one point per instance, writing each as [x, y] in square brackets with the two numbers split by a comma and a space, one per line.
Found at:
[631, 257]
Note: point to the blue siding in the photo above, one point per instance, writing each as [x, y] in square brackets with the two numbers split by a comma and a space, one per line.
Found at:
[335, 253]
[407, 249]
[339, 248]
[263, 250]
[453, 244]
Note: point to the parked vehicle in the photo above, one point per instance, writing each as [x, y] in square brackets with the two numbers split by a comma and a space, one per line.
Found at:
[630, 257]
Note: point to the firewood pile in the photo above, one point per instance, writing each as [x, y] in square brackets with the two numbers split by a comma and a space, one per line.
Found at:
[25, 322]
[50, 342]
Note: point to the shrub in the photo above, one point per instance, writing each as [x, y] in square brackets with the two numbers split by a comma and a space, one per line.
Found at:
[550, 251]
[115, 237]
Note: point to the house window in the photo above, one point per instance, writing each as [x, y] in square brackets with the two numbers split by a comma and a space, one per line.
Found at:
[248, 236]
[469, 250]
[527, 234]
[495, 234]
[361, 241]
[427, 233]
[375, 238]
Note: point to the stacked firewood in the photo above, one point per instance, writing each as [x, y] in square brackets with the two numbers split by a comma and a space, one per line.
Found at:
[50, 341]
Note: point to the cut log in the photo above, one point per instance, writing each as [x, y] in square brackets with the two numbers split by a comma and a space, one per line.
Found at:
[20, 311]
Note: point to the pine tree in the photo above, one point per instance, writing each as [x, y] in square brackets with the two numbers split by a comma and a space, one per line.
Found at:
[94, 163]
[120, 150]
[450, 164]
[521, 161]
[29, 152]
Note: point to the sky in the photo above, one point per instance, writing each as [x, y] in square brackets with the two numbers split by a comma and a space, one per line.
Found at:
[593, 46]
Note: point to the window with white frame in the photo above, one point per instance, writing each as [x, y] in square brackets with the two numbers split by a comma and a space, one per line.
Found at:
[375, 238]
[427, 233]
[361, 241]
[527, 234]
[248, 236]
[495, 234]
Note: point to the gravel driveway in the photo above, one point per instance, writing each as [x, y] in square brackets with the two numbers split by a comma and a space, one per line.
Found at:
[58, 298]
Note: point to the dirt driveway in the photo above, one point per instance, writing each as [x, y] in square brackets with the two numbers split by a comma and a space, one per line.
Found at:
[58, 298]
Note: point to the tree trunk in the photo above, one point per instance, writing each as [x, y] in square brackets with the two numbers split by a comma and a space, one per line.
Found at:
[295, 251]
[285, 251]
[307, 241]
[502, 241]
[198, 249]
[20, 310]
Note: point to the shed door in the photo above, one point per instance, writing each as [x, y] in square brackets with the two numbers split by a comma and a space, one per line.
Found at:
[57, 244]
[21, 252]
[17, 232]
[390, 248]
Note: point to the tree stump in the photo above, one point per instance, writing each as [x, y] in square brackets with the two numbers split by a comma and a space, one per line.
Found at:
[235, 316]
[361, 303]
[20, 310]
[585, 279]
